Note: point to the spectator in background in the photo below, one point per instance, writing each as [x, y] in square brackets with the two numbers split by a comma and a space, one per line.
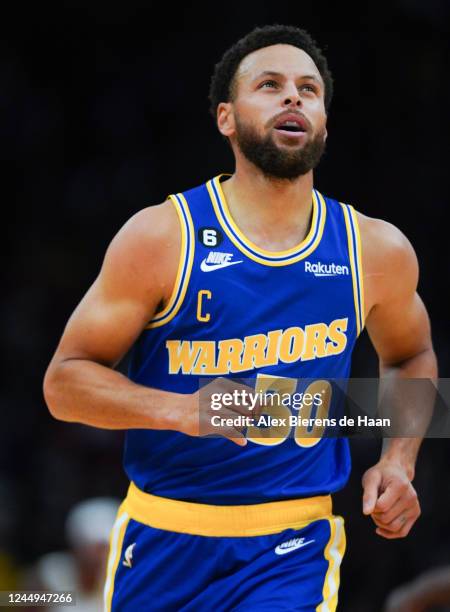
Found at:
[82, 568]
[425, 592]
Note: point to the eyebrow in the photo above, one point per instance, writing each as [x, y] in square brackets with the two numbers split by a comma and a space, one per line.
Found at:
[280, 74]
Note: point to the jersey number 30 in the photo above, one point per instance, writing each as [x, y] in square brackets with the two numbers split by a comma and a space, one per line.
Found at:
[304, 436]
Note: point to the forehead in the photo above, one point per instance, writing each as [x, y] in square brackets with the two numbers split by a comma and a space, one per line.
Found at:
[286, 59]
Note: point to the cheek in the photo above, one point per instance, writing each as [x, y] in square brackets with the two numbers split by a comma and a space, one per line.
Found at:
[319, 111]
[256, 112]
[318, 119]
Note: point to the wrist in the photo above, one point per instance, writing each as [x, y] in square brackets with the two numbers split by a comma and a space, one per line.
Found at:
[168, 410]
[398, 452]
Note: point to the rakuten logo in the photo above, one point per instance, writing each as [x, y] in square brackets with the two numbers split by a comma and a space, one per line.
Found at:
[320, 269]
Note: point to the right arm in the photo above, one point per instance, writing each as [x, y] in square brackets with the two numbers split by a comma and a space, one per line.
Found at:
[134, 283]
[136, 277]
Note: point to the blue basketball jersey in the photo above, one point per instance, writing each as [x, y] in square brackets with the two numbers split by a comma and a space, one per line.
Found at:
[287, 319]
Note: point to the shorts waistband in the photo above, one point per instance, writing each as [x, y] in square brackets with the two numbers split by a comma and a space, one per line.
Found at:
[224, 521]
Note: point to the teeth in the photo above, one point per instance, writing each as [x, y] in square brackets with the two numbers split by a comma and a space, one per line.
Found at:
[293, 123]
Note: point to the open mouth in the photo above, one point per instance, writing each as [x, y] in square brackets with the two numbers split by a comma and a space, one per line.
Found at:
[292, 123]
[290, 128]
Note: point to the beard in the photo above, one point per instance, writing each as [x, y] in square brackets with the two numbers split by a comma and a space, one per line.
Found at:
[275, 162]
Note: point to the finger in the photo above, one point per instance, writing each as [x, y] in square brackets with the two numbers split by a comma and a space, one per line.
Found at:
[395, 490]
[223, 424]
[371, 482]
[226, 418]
[253, 402]
[400, 506]
[405, 503]
[398, 523]
[401, 533]
[256, 402]
[236, 397]
[394, 525]
[234, 435]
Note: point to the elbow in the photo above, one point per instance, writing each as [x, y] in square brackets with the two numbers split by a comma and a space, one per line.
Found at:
[52, 392]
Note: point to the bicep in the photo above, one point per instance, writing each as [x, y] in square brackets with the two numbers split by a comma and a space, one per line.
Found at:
[398, 323]
[102, 328]
[399, 329]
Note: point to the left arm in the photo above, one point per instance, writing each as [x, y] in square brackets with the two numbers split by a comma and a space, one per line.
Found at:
[399, 328]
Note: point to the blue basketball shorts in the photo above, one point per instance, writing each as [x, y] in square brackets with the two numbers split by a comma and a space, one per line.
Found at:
[169, 555]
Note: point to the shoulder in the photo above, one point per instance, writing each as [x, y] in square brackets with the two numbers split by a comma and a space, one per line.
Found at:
[145, 251]
[389, 261]
[150, 225]
[384, 243]
[147, 233]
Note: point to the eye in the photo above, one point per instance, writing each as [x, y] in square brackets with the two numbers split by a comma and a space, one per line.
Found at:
[309, 87]
[271, 83]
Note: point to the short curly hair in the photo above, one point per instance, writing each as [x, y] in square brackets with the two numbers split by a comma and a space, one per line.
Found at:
[222, 81]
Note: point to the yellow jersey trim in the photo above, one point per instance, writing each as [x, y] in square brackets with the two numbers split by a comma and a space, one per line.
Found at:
[224, 521]
[252, 245]
[184, 265]
[251, 250]
[334, 551]
[359, 262]
[115, 552]
[351, 254]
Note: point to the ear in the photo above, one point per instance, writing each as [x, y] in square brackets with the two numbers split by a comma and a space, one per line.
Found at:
[225, 118]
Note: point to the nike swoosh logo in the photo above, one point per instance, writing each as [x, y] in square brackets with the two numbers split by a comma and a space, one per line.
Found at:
[204, 267]
[282, 551]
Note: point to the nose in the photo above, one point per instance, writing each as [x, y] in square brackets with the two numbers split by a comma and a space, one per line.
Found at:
[292, 95]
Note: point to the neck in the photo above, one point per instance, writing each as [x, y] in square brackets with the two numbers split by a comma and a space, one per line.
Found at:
[271, 212]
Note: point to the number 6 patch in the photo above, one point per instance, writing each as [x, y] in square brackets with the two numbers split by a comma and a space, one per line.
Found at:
[210, 236]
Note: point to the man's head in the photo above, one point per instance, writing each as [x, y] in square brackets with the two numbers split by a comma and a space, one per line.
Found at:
[270, 94]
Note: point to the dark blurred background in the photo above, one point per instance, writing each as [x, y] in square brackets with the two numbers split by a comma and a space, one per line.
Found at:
[103, 111]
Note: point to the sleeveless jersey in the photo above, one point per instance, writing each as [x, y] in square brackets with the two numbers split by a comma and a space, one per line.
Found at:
[241, 312]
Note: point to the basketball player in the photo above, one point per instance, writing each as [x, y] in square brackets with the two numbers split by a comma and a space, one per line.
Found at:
[251, 275]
